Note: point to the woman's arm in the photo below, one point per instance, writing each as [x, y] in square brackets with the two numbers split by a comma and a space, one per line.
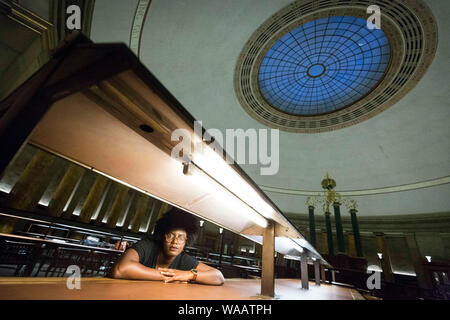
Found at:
[209, 275]
[205, 275]
[128, 267]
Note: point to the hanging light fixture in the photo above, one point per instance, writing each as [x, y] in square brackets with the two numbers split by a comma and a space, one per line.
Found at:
[329, 196]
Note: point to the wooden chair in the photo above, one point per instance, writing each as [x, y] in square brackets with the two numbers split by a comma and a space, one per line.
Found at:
[91, 263]
[16, 255]
[64, 257]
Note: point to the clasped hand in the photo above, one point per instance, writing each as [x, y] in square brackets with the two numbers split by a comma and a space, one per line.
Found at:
[170, 275]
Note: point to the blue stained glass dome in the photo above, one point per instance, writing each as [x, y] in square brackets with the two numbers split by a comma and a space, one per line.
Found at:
[323, 66]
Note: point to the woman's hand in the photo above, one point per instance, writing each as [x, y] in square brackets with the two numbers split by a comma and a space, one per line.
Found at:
[170, 275]
[205, 275]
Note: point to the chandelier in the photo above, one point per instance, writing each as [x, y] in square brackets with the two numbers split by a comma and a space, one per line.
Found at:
[329, 196]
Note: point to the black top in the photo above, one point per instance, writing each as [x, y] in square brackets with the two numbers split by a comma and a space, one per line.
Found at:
[148, 250]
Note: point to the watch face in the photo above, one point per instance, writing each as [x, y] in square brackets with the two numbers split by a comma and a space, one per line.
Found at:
[194, 271]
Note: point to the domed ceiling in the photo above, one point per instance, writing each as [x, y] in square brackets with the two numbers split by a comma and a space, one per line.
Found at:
[372, 109]
[323, 66]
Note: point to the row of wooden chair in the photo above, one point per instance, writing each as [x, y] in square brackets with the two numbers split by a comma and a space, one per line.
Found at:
[15, 255]
[53, 260]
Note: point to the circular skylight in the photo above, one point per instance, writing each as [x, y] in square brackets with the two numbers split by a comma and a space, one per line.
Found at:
[323, 66]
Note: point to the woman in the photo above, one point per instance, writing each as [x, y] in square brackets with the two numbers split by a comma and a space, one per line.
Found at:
[161, 257]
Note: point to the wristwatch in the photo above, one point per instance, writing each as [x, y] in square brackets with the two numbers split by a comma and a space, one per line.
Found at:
[195, 272]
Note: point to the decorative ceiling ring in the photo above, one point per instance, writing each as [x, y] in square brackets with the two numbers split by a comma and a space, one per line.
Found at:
[365, 192]
[412, 34]
[396, 56]
[140, 16]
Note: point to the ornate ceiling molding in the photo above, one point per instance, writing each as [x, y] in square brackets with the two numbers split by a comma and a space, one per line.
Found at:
[138, 24]
[412, 34]
[395, 224]
[33, 22]
[365, 192]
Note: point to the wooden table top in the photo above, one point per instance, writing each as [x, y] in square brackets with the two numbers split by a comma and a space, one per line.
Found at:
[53, 288]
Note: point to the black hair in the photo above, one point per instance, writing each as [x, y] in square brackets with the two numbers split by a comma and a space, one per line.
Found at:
[176, 219]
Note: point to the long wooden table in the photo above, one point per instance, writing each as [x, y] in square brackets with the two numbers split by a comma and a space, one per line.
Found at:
[115, 289]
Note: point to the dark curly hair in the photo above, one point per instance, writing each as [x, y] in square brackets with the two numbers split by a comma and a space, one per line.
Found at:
[176, 219]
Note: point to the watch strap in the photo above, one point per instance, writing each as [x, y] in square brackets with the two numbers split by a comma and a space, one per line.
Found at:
[195, 272]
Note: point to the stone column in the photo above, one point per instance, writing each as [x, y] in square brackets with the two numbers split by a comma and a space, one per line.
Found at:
[422, 279]
[323, 241]
[148, 215]
[132, 209]
[268, 267]
[33, 182]
[78, 194]
[351, 244]
[339, 230]
[317, 272]
[155, 214]
[322, 273]
[382, 248]
[93, 199]
[312, 227]
[106, 205]
[143, 206]
[329, 234]
[304, 271]
[29, 188]
[118, 206]
[356, 234]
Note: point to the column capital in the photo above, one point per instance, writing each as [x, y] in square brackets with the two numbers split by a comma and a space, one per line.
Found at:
[311, 207]
[356, 234]
[312, 226]
[336, 204]
[327, 213]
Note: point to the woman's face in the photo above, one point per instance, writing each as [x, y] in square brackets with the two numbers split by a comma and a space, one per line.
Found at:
[174, 242]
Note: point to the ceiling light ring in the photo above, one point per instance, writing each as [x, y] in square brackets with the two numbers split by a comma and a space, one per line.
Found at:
[389, 91]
